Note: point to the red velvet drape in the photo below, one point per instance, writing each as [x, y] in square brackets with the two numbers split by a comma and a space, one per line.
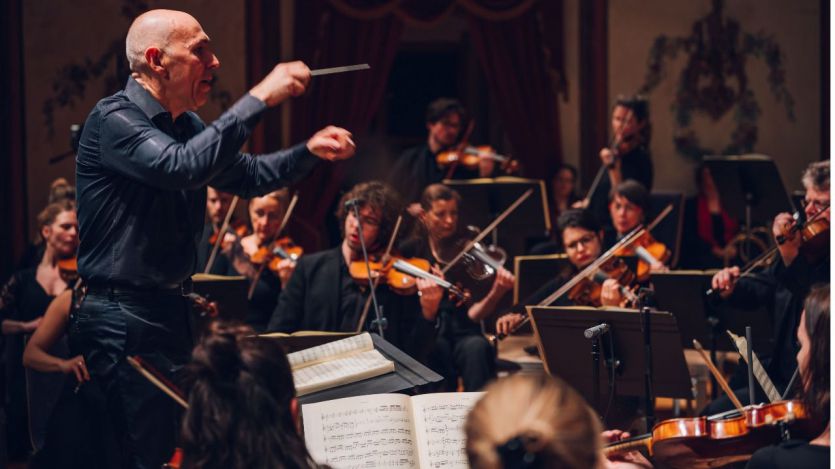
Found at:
[515, 62]
[326, 38]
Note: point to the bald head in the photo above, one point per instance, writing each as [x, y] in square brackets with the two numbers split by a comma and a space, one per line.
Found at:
[154, 28]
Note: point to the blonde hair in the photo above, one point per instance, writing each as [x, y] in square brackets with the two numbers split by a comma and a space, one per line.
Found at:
[535, 422]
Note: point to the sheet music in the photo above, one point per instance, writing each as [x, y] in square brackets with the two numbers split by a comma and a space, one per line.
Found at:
[439, 428]
[341, 371]
[324, 352]
[361, 432]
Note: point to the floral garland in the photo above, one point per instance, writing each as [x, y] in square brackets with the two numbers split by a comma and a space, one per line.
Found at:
[718, 51]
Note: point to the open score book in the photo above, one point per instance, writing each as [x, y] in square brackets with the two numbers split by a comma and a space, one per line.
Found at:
[336, 363]
[389, 430]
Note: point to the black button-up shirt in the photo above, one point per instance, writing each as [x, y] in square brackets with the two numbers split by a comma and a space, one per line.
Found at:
[142, 177]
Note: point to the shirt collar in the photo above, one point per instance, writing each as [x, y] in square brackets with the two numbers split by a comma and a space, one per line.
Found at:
[142, 98]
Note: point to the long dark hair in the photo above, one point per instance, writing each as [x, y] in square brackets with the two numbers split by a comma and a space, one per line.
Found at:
[816, 377]
[239, 392]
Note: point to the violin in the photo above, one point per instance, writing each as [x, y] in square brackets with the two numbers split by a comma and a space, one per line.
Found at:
[469, 157]
[587, 291]
[715, 440]
[68, 268]
[239, 228]
[400, 274]
[814, 236]
[480, 261]
[280, 249]
[649, 251]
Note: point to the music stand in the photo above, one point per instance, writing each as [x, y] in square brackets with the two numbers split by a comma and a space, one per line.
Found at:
[408, 375]
[559, 336]
[750, 187]
[682, 292]
[482, 200]
[229, 292]
[534, 271]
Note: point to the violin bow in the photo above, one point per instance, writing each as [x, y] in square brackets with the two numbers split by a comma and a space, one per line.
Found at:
[718, 376]
[759, 372]
[284, 220]
[614, 142]
[636, 233]
[764, 257]
[487, 229]
[220, 234]
[156, 378]
[386, 255]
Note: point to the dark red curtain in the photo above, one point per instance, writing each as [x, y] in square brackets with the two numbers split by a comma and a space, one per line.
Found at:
[325, 38]
[516, 62]
[13, 237]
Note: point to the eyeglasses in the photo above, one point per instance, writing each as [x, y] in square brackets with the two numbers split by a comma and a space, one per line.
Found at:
[817, 205]
[585, 240]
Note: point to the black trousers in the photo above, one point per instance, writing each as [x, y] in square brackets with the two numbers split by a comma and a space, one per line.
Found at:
[469, 356]
[111, 325]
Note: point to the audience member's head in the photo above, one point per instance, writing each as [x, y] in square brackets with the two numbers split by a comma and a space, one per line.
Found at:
[526, 421]
[243, 411]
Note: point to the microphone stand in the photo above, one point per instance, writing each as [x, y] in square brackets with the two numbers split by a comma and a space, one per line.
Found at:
[380, 321]
[649, 398]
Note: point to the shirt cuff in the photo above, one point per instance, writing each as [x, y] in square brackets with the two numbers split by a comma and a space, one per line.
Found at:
[248, 109]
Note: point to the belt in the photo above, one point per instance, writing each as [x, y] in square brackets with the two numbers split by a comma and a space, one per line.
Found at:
[182, 289]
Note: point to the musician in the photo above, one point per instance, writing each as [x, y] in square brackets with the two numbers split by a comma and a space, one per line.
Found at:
[222, 430]
[217, 206]
[628, 157]
[628, 207]
[23, 300]
[321, 295]
[417, 167]
[708, 228]
[265, 215]
[813, 334]
[143, 165]
[532, 422]
[460, 347]
[781, 287]
[563, 190]
[72, 414]
[582, 237]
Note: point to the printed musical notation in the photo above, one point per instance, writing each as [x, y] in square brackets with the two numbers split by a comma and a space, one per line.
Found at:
[368, 432]
[439, 422]
[389, 430]
[329, 351]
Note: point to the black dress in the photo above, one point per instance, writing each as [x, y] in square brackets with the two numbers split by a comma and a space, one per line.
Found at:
[22, 298]
[267, 289]
[635, 165]
[792, 454]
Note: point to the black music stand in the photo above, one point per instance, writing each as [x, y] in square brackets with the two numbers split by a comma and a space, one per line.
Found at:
[682, 293]
[408, 375]
[532, 272]
[559, 335]
[750, 187]
[229, 292]
[484, 199]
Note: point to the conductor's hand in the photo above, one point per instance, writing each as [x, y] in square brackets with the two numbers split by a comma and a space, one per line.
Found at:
[285, 80]
[724, 281]
[332, 144]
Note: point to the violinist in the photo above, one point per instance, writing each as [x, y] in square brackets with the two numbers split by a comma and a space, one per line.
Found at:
[628, 156]
[23, 300]
[781, 286]
[460, 347]
[321, 295]
[265, 215]
[583, 240]
[217, 206]
[628, 207]
[813, 334]
[417, 167]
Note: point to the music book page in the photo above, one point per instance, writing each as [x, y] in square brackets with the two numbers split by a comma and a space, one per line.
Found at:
[389, 430]
[439, 428]
[331, 350]
[339, 371]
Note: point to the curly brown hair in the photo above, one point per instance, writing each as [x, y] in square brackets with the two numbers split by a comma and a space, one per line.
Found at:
[380, 197]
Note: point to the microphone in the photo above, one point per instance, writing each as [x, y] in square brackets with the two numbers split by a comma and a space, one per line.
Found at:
[355, 202]
[596, 331]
